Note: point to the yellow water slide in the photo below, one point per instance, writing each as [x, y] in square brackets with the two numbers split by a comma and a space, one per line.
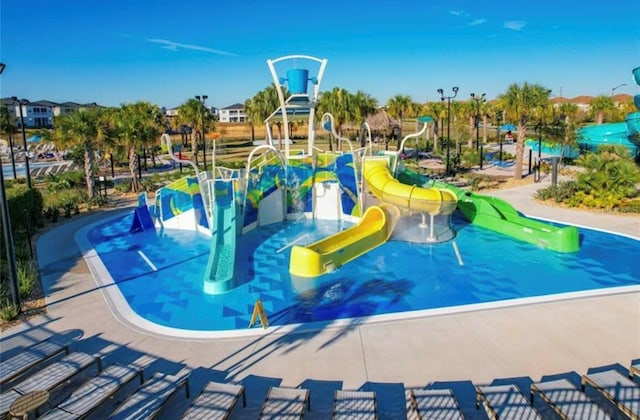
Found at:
[330, 253]
[376, 225]
[386, 188]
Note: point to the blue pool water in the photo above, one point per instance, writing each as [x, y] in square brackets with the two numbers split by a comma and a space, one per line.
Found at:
[395, 277]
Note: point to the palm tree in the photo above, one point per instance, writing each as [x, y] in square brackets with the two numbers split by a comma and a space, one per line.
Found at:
[521, 103]
[341, 104]
[85, 127]
[190, 113]
[137, 125]
[439, 112]
[8, 127]
[600, 107]
[397, 107]
[365, 105]
[263, 104]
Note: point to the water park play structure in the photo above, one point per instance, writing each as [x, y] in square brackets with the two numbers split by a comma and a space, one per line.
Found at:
[376, 197]
[621, 133]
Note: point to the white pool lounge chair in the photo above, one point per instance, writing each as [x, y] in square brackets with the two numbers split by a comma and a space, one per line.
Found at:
[216, 401]
[567, 400]
[49, 378]
[285, 403]
[149, 399]
[504, 402]
[359, 405]
[93, 393]
[617, 388]
[432, 404]
[29, 358]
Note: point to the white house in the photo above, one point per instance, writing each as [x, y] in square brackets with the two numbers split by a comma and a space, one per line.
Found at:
[233, 113]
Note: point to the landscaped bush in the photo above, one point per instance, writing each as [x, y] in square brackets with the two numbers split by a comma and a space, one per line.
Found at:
[27, 276]
[558, 193]
[609, 181]
[25, 207]
[630, 206]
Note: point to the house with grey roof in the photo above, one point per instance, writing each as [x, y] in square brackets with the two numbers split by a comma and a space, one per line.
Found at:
[233, 113]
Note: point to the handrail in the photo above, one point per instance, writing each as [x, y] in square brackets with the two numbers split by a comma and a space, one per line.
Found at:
[366, 131]
[167, 138]
[404, 140]
[333, 130]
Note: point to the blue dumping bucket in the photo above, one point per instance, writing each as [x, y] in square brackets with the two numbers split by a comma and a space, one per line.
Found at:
[298, 80]
[636, 75]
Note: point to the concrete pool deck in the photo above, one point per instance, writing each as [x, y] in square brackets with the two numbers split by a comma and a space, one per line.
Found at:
[520, 342]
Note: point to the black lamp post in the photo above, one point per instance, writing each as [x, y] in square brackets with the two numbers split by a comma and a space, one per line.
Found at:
[498, 138]
[22, 102]
[8, 235]
[448, 98]
[202, 100]
[478, 100]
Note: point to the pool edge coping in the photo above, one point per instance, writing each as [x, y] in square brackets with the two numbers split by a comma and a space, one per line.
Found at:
[122, 311]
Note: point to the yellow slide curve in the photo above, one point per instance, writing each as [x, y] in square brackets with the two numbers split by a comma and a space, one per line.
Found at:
[386, 188]
[376, 225]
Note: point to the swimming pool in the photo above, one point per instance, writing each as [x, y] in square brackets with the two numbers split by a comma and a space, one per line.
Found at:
[159, 275]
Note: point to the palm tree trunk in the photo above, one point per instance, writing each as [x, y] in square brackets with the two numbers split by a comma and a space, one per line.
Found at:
[485, 133]
[133, 166]
[522, 130]
[194, 147]
[88, 169]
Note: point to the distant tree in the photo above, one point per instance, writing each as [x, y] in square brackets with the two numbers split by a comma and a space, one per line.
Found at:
[339, 103]
[365, 105]
[137, 125]
[600, 107]
[190, 114]
[8, 126]
[263, 104]
[521, 103]
[439, 112]
[86, 127]
[398, 107]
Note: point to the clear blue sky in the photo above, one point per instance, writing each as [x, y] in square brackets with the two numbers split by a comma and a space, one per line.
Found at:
[120, 51]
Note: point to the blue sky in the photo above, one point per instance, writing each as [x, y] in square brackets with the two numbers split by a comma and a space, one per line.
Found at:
[121, 51]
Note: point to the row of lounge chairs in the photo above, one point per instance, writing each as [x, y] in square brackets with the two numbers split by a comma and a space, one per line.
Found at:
[34, 370]
[566, 399]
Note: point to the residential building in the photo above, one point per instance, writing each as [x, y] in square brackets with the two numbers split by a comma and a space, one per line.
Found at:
[40, 114]
[233, 113]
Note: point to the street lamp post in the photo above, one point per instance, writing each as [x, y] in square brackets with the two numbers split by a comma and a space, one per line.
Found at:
[8, 235]
[202, 100]
[448, 98]
[478, 100]
[22, 102]
[619, 86]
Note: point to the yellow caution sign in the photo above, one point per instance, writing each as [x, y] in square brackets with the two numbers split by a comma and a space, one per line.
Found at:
[258, 312]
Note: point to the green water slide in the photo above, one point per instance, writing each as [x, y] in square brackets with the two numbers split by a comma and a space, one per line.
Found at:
[219, 277]
[498, 215]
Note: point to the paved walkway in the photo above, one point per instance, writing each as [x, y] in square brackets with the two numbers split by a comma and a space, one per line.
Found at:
[518, 344]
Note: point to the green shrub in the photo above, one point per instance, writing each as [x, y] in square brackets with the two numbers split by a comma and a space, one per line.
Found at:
[22, 251]
[8, 311]
[123, 186]
[27, 277]
[631, 206]
[25, 207]
[558, 193]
